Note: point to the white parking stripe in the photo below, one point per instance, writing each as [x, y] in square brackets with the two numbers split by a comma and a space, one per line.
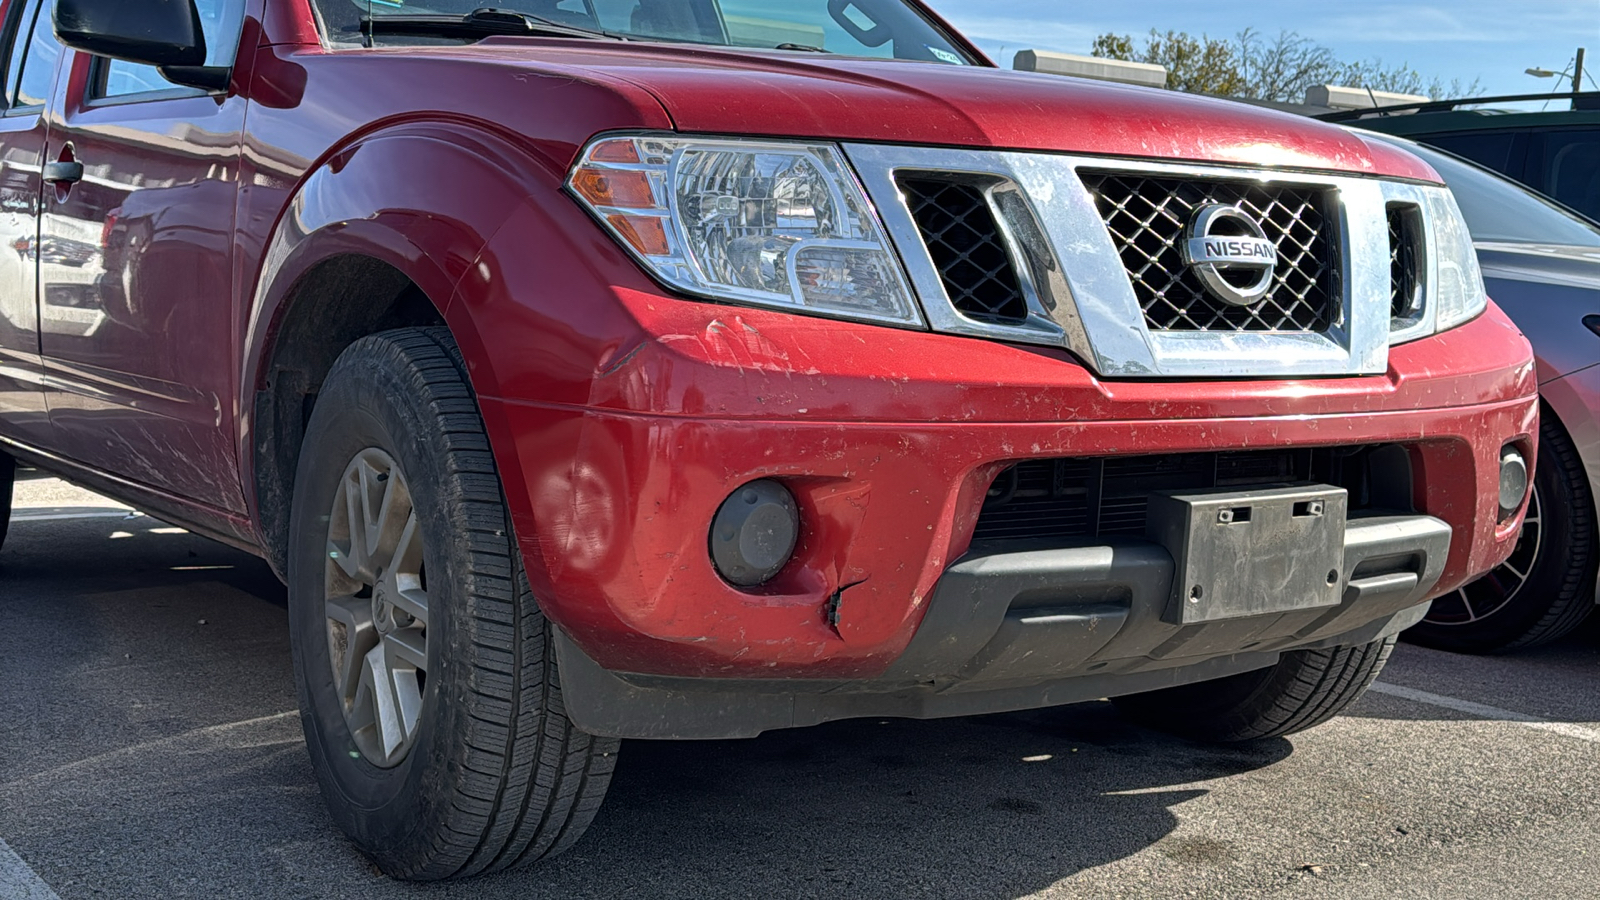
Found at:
[25, 516]
[1488, 712]
[18, 882]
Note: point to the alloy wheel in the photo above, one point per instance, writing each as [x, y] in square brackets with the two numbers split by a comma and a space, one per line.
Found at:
[377, 608]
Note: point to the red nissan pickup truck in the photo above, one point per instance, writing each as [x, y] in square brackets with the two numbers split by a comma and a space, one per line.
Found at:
[683, 369]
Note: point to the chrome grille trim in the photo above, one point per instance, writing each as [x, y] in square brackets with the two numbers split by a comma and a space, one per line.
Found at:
[1079, 293]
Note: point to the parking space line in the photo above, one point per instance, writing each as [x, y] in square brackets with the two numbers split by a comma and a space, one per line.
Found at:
[203, 733]
[18, 881]
[1488, 712]
[24, 516]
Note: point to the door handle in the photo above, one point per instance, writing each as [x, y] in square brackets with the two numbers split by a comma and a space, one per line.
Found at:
[64, 172]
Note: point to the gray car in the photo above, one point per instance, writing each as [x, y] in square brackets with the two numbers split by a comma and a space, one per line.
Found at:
[1541, 262]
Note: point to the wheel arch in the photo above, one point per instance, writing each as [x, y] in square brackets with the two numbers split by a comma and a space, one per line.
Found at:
[378, 235]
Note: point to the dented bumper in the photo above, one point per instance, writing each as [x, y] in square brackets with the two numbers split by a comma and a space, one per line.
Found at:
[890, 441]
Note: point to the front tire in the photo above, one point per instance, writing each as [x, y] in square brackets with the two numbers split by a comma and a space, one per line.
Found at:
[1546, 589]
[427, 679]
[1305, 689]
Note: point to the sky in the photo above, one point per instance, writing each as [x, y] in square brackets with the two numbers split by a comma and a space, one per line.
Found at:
[1491, 40]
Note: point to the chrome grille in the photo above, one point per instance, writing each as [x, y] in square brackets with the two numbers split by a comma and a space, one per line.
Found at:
[963, 237]
[1148, 218]
[1404, 233]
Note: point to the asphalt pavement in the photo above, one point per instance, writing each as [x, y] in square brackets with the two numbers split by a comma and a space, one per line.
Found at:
[150, 748]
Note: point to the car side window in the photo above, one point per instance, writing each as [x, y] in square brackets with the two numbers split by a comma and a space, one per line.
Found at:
[38, 62]
[222, 21]
[11, 44]
[1570, 165]
[1492, 151]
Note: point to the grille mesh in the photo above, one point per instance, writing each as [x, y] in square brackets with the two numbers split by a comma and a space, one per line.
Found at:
[1149, 217]
[964, 240]
[1403, 234]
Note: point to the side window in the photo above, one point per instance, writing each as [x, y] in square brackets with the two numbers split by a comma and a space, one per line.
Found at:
[1570, 166]
[1492, 151]
[222, 20]
[38, 62]
[10, 44]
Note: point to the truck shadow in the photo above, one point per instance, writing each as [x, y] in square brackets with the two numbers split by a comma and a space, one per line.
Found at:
[992, 806]
[151, 684]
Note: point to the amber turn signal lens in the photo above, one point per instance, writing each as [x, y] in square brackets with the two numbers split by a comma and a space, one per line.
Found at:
[615, 151]
[617, 189]
[647, 235]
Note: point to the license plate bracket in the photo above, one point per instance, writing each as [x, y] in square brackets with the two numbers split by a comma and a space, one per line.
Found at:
[1251, 553]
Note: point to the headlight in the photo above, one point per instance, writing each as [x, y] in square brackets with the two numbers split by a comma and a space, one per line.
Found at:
[1459, 294]
[774, 224]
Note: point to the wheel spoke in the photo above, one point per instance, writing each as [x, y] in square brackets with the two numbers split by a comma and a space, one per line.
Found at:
[1467, 604]
[408, 701]
[360, 636]
[366, 483]
[386, 703]
[406, 564]
[413, 602]
[394, 523]
[408, 647]
[359, 558]
[346, 562]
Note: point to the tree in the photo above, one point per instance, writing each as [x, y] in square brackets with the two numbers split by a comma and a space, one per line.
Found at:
[1255, 67]
[1199, 65]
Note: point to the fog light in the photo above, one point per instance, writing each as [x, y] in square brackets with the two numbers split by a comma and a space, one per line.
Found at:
[754, 533]
[1513, 480]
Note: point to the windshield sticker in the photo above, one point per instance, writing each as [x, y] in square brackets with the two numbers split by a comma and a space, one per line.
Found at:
[945, 56]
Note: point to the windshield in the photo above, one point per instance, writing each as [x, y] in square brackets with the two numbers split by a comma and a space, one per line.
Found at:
[883, 29]
[1498, 210]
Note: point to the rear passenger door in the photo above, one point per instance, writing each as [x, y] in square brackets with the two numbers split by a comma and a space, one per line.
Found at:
[143, 386]
[31, 58]
[1566, 165]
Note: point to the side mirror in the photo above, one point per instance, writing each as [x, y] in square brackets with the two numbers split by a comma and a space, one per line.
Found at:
[162, 33]
[152, 32]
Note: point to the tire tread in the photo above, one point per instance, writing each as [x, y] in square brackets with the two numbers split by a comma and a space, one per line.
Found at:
[526, 783]
[1305, 689]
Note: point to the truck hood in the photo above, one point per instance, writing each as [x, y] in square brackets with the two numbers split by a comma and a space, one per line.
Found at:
[773, 94]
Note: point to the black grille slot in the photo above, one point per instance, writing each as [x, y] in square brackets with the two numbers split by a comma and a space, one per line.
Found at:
[964, 239]
[1109, 497]
[1149, 222]
[1405, 232]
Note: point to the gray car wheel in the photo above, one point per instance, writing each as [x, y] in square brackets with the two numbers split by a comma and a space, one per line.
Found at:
[428, 683]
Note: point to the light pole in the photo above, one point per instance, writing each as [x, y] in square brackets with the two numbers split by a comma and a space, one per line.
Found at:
[1576, 70]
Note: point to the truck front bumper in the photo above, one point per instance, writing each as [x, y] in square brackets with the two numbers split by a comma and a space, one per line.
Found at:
[1033, 628]
[890, 442]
